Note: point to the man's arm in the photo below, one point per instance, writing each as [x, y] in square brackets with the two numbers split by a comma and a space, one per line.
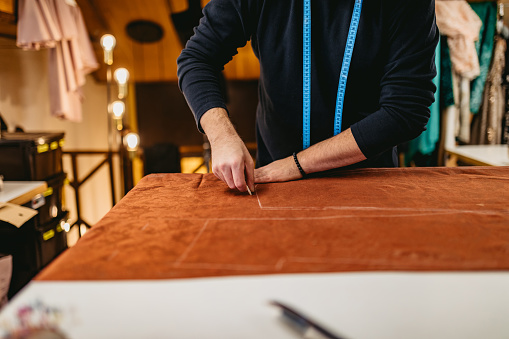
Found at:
[231, 161]
[338, 151]
[226, 25]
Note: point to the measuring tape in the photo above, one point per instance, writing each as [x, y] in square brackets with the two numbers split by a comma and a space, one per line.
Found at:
[343, 76]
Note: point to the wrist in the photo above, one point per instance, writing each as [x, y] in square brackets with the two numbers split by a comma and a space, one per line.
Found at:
[299, 167]
[217, 125]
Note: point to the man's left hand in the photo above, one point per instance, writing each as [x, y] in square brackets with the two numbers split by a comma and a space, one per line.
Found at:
[278, 171]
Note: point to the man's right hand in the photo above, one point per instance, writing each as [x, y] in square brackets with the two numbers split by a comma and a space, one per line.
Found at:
[231, 161]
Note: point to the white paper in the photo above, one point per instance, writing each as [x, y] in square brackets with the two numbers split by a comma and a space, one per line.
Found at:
[15, 214]
[355, 305]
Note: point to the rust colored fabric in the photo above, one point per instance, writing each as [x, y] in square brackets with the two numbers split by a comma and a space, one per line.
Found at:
[192, 225]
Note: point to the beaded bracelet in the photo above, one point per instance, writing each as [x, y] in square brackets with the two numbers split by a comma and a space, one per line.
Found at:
[298, 165]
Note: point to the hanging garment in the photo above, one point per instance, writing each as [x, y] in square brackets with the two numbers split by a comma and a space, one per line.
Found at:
[487, 12]
[426, 143]
[488, 126]
[37, 25]
[59, 25]
[446, 89]
[461, 24]
[461, 89]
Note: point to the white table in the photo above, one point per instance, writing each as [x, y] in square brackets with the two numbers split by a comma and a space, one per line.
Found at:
[354, 305]
[483, 155]
[21, 192]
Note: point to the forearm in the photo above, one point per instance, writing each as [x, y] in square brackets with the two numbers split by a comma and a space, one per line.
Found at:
[338, 151]
[217, 125]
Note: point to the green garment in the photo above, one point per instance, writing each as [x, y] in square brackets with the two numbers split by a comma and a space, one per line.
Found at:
[487, 11]
[446, 89]
[426, 142]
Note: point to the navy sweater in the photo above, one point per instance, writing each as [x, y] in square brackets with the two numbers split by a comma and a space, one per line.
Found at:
[389, 87]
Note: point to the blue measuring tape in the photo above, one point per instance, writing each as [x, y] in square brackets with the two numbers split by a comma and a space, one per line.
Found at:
[343, 76]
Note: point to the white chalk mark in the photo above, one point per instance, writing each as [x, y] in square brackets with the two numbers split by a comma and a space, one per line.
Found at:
[143, 228]
[233, 267]
[280, 263]
[372, 262]
[188, 249]
[258, 197]
[419, 262]
[112, 255]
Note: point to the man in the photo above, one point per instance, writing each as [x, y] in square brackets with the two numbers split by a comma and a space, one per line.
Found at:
[386, 99]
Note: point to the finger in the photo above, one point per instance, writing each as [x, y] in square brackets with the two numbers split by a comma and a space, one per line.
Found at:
[221, 172]
[228, 178]
[239, 177]
[218, 174]
[249, 172]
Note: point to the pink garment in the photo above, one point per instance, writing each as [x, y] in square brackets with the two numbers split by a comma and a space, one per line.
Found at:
[457, 20]
[59, 25]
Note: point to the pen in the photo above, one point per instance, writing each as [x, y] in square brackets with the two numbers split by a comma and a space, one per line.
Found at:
[304, 325]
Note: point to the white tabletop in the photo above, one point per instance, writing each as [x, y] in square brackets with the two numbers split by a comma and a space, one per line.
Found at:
[21, 192]
[489, 155]
[354, 305]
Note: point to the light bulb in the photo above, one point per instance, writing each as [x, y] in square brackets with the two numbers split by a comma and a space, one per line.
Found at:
[118, 108]
[121, 76]
[108, 43]
[132, 141]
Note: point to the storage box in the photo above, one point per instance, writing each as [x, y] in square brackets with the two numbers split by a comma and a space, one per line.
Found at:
[21, 244]
[51, 239]
[30, 156]
[49, 203]
[32, 247]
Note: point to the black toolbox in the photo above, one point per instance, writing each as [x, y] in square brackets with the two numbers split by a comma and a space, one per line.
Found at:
[32, 247]
[34, 157]
[49, 203]
[30, 156]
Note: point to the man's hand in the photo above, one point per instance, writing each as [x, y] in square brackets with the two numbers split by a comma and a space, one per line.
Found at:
[337, 151]
[231, 161]
[278, 171]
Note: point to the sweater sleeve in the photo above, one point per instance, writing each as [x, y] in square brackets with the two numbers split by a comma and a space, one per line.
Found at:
[225, 26]
[406, 88]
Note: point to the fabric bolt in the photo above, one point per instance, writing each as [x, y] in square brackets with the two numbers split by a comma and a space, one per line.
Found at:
[390, 83]
[399, 219]
[488, 126]
[461, 24]
[59, 25]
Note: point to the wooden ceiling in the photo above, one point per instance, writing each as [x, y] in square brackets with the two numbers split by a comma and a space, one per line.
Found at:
[149, 62]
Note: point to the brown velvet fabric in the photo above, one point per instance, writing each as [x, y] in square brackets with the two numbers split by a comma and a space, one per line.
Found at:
[192, 225]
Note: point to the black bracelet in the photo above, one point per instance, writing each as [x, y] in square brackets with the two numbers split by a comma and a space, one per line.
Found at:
[298, 165]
